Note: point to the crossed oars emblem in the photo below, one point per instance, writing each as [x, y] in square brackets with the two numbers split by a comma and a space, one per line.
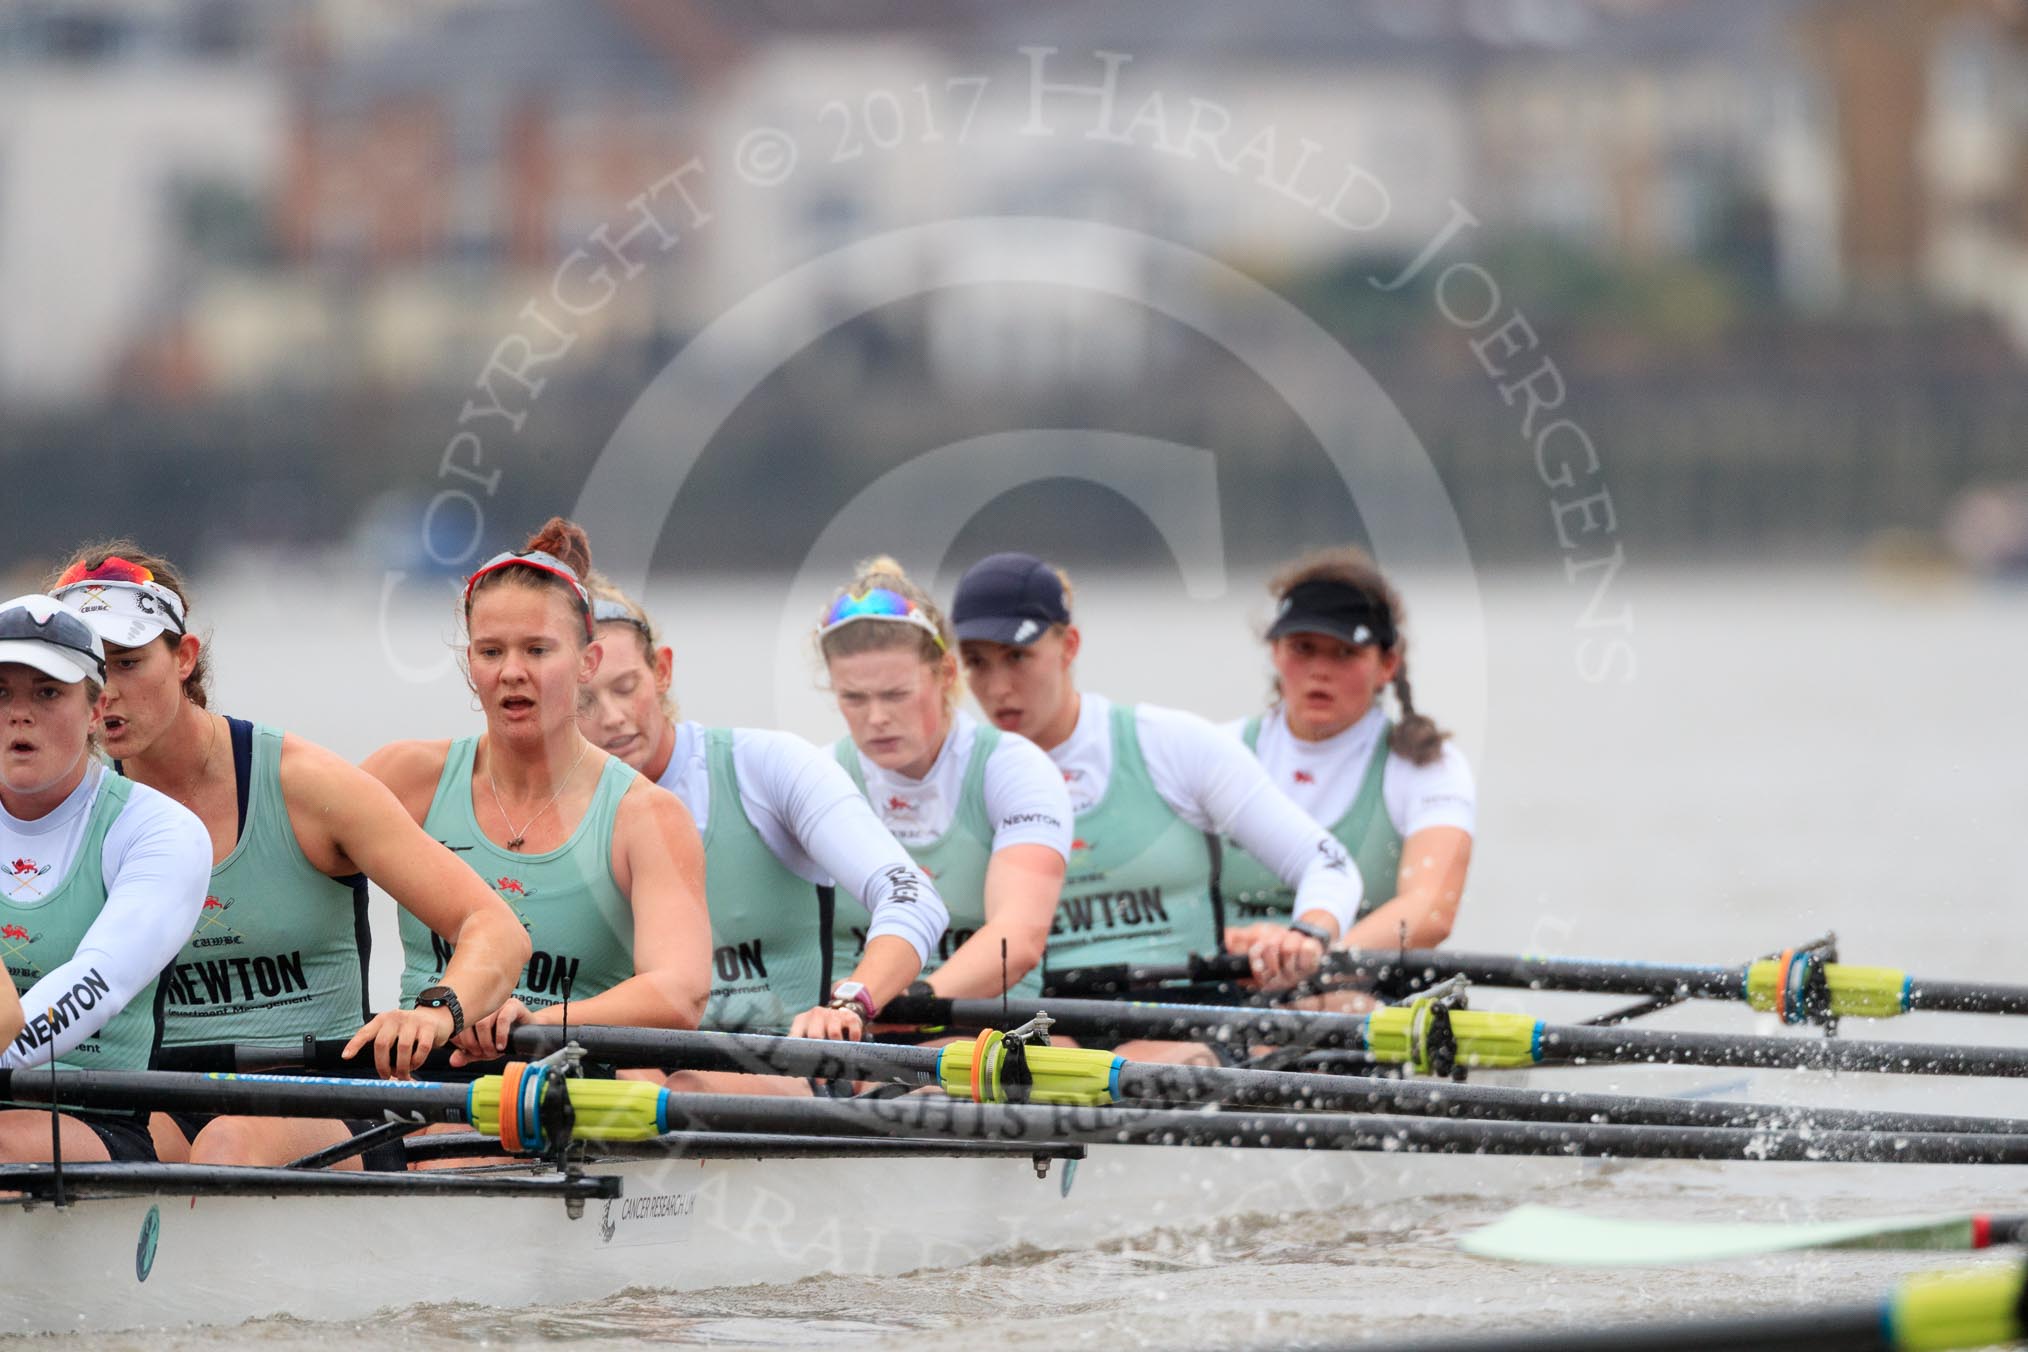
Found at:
[24, 873]
[13, 939]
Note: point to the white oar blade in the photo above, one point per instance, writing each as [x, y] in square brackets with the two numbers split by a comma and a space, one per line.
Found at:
[1541, 1234]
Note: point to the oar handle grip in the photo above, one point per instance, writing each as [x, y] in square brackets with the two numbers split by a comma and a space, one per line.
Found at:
[1978, 1307]
[1074, 1075]
[604, 1110]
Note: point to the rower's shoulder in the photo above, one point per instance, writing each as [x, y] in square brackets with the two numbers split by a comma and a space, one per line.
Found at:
[1172, 724]
[647, 807]
[1449, 761]
[303, 761]
[409, 766]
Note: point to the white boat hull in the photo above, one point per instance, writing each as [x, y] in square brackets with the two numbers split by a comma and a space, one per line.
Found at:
[127, 1263]
[117, 1263]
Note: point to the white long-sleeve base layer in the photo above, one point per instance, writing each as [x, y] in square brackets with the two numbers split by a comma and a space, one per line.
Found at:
[811, 817]
[157, 866]
[1213, 782]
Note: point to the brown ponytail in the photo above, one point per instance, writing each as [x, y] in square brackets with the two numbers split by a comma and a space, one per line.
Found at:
[565, 540]
[1416, 736]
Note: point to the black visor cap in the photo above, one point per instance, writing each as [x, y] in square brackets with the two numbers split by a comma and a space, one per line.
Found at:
[1335, 611]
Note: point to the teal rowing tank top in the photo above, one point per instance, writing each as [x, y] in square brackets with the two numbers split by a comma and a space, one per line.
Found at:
[579, 924]
[1142, 885]
[280, 949]
[41, 934]
[1368, 836]
[770, 929]
[956, 862]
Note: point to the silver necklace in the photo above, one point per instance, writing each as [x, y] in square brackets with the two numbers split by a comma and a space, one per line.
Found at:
[522, 835]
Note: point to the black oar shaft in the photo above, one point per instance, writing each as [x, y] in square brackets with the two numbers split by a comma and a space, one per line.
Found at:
[747, 1053]
[1351, 1093]
[1619, 1046]
[663, 1048]
[1420, 968]
[1405, 972]
[1851, 1328]
[1965, 997]
[917, 1116]
[1105, 1018]
[1559, 1043]
[169, 1091]
[760, 1054]
[1425, 967]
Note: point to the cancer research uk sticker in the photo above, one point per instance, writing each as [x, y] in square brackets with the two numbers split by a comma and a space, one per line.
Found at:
[144, 1248]
[651, 1218]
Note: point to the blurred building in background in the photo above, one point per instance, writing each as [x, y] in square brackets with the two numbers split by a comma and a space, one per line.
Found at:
[1780, 250]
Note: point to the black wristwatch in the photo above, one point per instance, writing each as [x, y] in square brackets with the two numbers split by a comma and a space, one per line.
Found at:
[443, 997]
[1308, 930]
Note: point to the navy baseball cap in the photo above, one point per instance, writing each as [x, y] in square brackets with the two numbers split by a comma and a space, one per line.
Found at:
[1008, 598]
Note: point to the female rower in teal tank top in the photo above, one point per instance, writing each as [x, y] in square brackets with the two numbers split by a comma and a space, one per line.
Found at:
[280, 948]
[788, 842]
[1395, 795]
[890, 656]
[1153, 790]
[603, 869]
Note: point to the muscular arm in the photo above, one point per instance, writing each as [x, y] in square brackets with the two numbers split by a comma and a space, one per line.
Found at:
[1215, 783]
[658, 862]
[10, 1012]
[411, 771]
[347, 822]
[1430, 883]
[821, 808]
[1023, 883]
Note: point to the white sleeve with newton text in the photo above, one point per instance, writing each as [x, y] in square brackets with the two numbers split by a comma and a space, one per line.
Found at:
[816, 804]
[157, 861]
[1026, 800]
[1213, 782]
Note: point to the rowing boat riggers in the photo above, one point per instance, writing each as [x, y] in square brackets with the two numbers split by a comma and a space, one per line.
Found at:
[280, 949]
[1254, 892]
[957, 860]
[580, 925]
[1141, 886]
